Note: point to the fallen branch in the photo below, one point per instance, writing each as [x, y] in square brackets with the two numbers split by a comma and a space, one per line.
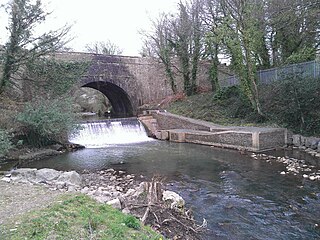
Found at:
[145, 216]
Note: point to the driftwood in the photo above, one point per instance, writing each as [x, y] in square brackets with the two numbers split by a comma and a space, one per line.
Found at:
[153, 190]
[157, 214]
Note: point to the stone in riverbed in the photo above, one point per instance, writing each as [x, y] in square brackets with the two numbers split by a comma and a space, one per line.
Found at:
[115, 203]
[24, 175]
[70, 178]
[175, 200]
[6, 179]
[126, 211]
[296, 140]
[102, 199]
[47, 174]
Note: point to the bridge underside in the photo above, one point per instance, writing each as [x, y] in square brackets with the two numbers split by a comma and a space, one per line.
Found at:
[119, 99]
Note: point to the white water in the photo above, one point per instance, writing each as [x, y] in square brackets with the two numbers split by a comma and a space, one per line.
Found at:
[103, 134]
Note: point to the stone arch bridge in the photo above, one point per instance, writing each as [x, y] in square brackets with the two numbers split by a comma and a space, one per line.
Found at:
[128, 82]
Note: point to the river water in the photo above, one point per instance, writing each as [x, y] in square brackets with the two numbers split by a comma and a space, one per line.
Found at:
[240, 197]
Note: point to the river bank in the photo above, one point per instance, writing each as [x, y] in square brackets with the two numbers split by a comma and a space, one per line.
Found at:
[30, 189]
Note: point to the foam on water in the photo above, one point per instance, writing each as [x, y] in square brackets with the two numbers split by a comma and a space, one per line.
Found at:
[104, 133]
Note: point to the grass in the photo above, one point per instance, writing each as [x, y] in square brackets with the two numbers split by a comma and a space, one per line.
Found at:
[78, 217]
[226, 111]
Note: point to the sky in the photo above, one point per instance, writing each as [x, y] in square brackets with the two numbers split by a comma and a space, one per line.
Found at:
[119, 21]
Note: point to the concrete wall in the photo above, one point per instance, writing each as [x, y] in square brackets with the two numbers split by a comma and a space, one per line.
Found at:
[172, 121]
[181, 129]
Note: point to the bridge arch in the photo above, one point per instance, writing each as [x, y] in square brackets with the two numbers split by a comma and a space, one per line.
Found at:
[118, 98]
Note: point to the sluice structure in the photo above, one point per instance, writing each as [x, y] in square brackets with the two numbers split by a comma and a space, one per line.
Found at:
[175, 128]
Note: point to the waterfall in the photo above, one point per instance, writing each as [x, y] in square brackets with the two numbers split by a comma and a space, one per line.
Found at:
[109, 132]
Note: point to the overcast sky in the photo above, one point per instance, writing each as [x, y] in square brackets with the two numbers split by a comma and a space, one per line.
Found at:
[100, 20]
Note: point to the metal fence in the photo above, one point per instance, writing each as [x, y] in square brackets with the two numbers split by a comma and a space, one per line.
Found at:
[306, 70]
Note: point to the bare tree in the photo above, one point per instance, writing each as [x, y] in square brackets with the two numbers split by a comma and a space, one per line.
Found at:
[179, 37]
[158, 45]
[211, 18]
[23, 45]
[106, 47]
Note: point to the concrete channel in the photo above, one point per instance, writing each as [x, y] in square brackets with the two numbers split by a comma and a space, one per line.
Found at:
[175, 128]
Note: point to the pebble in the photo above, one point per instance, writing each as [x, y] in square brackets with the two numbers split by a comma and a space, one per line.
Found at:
[293, 166]
[312, 178]
[6, 179]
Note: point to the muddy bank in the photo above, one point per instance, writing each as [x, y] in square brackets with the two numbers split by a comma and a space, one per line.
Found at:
[17, 156]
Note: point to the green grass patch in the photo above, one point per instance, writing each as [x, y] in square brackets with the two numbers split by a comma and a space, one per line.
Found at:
[226, 108]
[77, 217]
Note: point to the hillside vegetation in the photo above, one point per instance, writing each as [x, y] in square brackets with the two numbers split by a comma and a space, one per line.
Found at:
[291, 103]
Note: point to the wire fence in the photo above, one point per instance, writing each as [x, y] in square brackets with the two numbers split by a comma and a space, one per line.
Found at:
[306, 70]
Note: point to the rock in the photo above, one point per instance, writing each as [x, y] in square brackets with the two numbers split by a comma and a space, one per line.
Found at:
[130, 192]
[139, 190]
[129, 176]
[47, 174]
[312, 142]
[115, 203]
[296, 140]
[126, 211]
[312, 178]
[57, 147]
[110, 170]
[303, 140]
[72, 188]
[313, 153]
[70, 178]
[175, 200]
[102, 199]
[85, 190]
[113, 178]
[24, 175]
[60, 185]
[6, 179]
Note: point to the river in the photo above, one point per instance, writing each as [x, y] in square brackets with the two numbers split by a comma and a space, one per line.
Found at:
[240, 197]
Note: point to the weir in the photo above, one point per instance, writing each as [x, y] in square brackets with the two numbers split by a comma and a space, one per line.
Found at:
[99, 134]
[175, 128]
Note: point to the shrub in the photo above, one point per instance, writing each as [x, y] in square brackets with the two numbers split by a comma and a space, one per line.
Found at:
[294, 103]
[5, 143]
[235, 103]
[132, 222]
[47, 121]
